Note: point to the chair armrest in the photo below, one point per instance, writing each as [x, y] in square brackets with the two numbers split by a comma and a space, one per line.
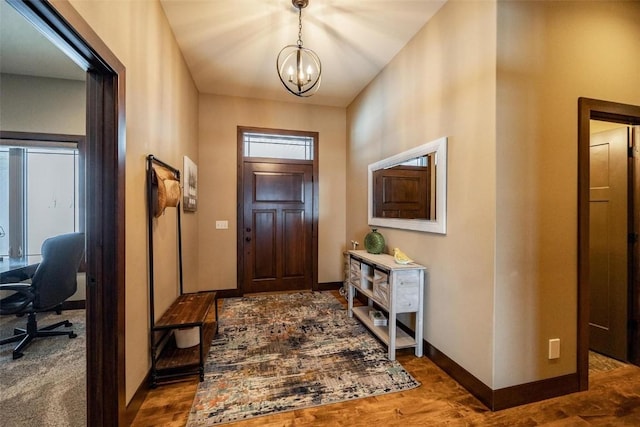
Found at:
[17, 287]
[18, 301]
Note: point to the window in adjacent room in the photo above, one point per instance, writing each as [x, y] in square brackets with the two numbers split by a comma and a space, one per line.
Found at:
[39, 195]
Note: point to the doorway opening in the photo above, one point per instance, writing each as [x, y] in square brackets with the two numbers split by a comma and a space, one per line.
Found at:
[104, 202]
[594, 200]
[277, 210]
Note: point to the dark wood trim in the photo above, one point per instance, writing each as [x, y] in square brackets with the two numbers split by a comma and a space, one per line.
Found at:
[65, 27]
[589, 109]
[240, 196]
[40, 136]
[329, 286]
[138, 398]
[106, 249]
[634, 249]
[228, 293]
[476, 387]
[74, 305]
[521, 394]
[507, 397]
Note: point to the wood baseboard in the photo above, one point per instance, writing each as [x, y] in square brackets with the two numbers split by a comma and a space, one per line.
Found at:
[228, 293]
[535, 391]
[329, 286]
[234, 293]
[136, 401]
[74, 305]
[507, 397]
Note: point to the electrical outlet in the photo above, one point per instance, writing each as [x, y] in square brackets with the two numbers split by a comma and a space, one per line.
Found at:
[554, 348]
[222, 225]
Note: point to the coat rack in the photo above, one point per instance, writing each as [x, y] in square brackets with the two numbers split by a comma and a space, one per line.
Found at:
[152, 180]
[188, 311]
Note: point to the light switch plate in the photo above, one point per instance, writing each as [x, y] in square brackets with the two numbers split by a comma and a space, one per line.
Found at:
[554, 348]
[222, 225]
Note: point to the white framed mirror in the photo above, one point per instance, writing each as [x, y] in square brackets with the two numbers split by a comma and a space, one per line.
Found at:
[409, 190]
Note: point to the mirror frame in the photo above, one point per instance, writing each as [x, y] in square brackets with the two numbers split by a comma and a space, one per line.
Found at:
[438, 146]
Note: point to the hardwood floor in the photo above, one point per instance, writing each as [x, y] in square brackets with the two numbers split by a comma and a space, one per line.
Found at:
[613, 399]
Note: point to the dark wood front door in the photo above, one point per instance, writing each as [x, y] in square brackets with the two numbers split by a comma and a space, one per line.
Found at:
[277, 226]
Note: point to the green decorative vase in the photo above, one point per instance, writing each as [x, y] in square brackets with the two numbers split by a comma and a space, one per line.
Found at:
[374, 242]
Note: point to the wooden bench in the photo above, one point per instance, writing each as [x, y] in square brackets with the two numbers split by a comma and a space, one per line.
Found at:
[187, 311]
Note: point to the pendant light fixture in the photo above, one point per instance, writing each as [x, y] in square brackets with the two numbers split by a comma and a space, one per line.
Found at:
[299, 68]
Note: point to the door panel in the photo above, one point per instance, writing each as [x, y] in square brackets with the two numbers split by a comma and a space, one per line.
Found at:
[265, 239]
[294, 238]
[608, 278]
[278, 226]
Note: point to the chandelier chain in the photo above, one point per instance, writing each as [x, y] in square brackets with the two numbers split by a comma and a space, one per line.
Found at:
[300, 26]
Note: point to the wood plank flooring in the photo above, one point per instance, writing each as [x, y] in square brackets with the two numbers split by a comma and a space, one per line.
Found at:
[613, 399]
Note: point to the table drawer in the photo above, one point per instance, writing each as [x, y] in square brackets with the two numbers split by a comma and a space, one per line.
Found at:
[381, 289]
[407, 291]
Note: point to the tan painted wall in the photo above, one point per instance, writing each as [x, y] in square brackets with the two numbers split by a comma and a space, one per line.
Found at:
[38, 104]
[441, 84]
[162, 119]
[219, 118]
[549, 54]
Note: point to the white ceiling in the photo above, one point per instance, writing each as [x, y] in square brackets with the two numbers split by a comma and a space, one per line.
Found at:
[231, 46]
[25, 51]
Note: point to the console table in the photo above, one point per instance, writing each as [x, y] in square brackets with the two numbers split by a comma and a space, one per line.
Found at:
[395, 288]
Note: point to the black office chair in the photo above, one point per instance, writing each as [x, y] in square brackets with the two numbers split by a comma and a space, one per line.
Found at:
[52, 283]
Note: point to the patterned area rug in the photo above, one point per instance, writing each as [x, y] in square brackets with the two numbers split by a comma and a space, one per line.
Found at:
[46, 386]
[278, 353]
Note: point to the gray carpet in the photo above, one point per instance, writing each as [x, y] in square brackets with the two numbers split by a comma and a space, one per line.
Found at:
[46, 387]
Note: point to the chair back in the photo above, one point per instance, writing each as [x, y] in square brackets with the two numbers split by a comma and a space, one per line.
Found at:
[55, 278]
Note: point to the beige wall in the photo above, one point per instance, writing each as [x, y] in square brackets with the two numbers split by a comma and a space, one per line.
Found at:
[441, 84]
[38, 104]
[549, 54]
[219, 118]
[162, 119]
[503, 281]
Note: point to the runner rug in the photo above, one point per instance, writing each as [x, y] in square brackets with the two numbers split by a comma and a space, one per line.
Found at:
[277, 353]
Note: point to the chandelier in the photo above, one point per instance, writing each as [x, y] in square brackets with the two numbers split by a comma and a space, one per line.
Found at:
[299, 68]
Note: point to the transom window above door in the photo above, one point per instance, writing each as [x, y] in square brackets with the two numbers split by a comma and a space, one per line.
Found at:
[278, 146]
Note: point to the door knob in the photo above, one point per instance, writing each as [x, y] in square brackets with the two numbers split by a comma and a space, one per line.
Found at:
[248, 239]
[248, 230]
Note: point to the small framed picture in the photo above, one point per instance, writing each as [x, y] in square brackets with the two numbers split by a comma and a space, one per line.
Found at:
[190, 182]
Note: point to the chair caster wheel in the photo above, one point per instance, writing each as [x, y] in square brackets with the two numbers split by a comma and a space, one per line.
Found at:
[72, 335]
[17, 355]
[67, 324]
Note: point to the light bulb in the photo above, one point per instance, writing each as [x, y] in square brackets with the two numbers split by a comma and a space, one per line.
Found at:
[309, 73]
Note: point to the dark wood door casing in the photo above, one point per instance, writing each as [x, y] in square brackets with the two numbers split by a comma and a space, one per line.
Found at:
[293, 219]
[634, 250]
[104, 215]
